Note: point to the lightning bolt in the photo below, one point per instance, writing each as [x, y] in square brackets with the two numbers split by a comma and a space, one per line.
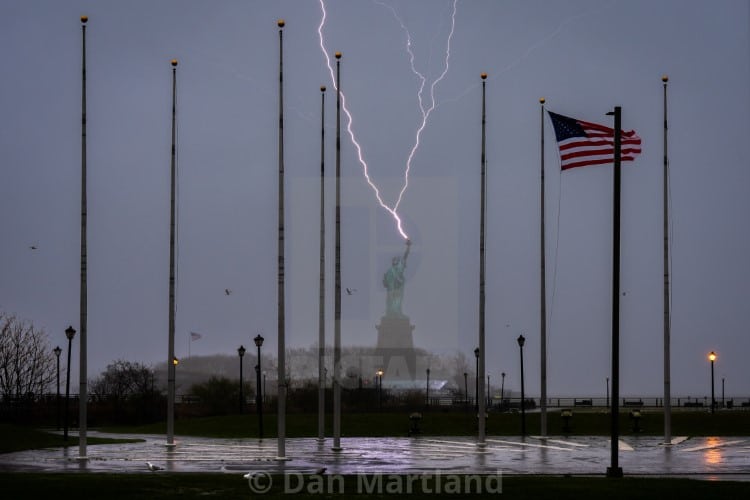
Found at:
[425, 110]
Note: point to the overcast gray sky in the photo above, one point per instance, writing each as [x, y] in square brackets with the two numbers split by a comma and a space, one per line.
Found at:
[584, 56]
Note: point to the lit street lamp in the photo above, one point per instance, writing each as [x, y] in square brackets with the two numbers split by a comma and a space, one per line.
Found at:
[379, 374]
[712, 358]
[70, 333]
[57, 352]
[521, 340]
[241, 352]
[258, 395]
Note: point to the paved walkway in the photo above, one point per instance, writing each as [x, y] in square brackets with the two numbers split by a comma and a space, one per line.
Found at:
[712, 457]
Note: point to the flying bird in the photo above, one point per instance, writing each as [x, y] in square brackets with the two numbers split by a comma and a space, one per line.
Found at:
[153, 468]
[350, 291]
[33, 247]
[227, 291]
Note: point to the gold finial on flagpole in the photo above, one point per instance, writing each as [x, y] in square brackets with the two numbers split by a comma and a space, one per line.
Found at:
[280, 23]
[322, 88]
[484, 76]
[665, 78]
[542, 100]
[84, 19]
[174, 63]
[338, 55]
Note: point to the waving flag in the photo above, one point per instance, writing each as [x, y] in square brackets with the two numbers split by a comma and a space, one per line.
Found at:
[195, 336]
[584, 143]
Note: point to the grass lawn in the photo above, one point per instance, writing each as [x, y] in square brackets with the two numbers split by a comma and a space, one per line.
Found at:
[439, 423]
[159, 486]
[19, 438]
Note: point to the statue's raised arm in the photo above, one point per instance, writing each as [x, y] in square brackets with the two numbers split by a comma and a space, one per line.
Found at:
[406, 252]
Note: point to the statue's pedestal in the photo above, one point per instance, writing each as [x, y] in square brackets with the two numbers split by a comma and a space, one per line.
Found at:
[396, 348]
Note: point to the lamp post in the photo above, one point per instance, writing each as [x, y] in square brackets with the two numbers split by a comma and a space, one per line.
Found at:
[427, 391]
[607, 392]
[502, 388]
[258, 395]
[379, 373]
[476, 381]
[489, 399]
[466, 391]
[712, 358]
[265, 393]
[241, 352]
[57, 352]
[70, 333]
[722, 392]
[521, 340]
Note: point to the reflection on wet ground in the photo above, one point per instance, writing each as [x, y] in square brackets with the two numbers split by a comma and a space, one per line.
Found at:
[708, 457]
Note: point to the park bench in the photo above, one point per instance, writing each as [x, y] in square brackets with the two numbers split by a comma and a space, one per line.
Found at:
[633, 402]
[693, 404]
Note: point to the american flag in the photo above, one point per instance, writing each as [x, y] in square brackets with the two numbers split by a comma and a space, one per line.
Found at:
[584, 143]
[195, 336]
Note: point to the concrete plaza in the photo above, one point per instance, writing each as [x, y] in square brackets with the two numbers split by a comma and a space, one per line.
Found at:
[705, 457]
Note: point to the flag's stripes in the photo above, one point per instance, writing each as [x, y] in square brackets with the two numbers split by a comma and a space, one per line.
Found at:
[583, 143]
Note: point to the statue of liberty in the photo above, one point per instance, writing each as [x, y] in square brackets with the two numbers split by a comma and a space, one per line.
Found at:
[393, 281]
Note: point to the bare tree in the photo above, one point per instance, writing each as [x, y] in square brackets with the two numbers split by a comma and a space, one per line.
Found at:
[123, 379]
[27, 364]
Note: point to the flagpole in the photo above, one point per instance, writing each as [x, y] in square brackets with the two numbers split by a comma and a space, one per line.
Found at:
[614, 470]
[172, 236]
[83, 320]
[482, 268]
[337, 275]
[542, 286]
[281, 373]
[322, 288]
[667, 308]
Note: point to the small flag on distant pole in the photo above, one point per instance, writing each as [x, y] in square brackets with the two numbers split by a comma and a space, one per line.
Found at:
[584, 143]
[193, 336]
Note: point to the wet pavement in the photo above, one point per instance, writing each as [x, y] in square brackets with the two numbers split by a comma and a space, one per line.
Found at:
[704, 457]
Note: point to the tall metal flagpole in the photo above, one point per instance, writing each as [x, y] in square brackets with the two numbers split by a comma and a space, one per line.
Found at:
[83, 320]
[171, 368]
[337, 277]
[667, 318]
[542, 288]
[482, 267]
[614, 470]
[281, 373]
[322, 288]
